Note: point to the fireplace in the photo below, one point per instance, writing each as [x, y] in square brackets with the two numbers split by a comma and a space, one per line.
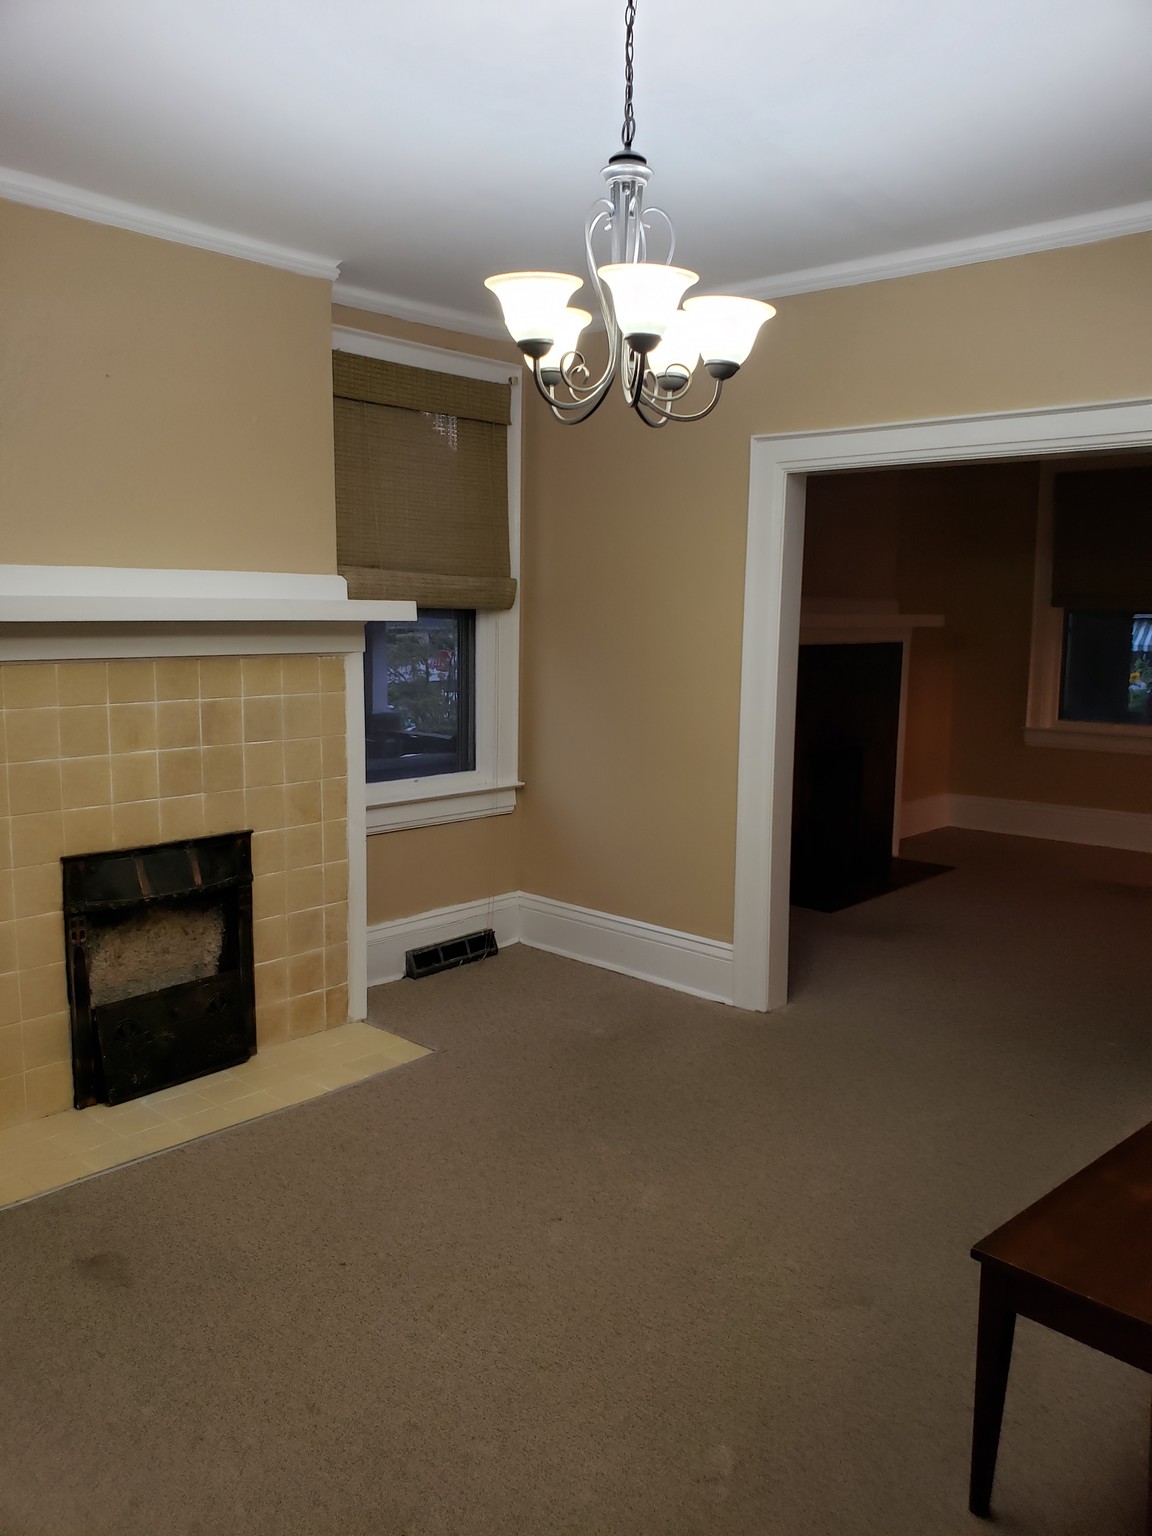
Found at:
[159, 964]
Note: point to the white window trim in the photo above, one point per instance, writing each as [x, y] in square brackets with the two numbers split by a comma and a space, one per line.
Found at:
[490, 788]
[1043, 726]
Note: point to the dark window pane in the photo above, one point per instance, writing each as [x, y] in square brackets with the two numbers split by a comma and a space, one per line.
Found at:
[419, 681]
[1107, 667]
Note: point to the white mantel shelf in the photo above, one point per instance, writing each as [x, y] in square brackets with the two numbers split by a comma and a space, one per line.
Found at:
[197, 610]
[52, 612]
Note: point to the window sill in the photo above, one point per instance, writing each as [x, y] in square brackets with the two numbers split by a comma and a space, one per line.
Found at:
[1091, 738]
[433, 807]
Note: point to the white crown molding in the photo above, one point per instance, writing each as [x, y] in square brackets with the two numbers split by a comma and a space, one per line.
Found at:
[418, 312]
[1082, 229]
[38, 192]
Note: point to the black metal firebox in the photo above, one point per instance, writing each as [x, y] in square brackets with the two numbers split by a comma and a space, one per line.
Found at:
[159, 944]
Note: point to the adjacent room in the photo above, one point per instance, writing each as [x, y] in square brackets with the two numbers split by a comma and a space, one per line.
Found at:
[560, 977]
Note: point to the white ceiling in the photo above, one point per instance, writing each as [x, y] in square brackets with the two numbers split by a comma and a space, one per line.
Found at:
[423, 147]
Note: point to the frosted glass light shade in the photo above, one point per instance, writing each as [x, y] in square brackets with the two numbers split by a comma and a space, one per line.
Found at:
[565, 339]
[678, 352]
[646, 294]
[533, 302]
[726, 327]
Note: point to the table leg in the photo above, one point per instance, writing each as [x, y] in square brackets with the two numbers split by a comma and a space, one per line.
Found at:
[993, 1358]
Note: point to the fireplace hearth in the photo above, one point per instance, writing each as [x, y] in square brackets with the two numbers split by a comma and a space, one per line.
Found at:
[159, 965]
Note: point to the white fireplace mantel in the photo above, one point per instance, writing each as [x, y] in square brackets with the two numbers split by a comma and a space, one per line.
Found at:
[55, 612]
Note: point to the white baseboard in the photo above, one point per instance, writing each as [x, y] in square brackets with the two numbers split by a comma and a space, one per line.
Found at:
[389, 942]
[1059, 823]
[665, 956]
[925, 815]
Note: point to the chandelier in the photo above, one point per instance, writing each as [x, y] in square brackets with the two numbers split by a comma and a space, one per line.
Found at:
[654, 341]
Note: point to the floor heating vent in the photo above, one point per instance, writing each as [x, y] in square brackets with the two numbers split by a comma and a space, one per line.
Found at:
[446, 956]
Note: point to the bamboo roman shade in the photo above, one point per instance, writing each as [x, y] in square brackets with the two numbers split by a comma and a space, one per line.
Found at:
[1102, 540]
[421, 485]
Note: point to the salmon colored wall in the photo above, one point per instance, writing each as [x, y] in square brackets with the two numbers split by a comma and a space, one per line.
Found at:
[634, 557]
[159, 405]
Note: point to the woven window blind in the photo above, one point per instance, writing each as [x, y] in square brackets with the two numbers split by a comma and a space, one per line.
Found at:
[1102, 540]
[421, 485]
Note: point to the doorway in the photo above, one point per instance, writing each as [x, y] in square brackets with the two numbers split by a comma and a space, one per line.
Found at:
[773, 578]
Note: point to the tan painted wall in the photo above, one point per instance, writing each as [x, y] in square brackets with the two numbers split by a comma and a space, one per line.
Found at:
[635, 555]
[159, 405]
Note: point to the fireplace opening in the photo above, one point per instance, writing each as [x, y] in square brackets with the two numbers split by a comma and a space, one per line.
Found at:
[159, 961]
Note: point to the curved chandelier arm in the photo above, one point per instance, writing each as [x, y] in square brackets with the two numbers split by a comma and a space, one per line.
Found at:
[660, 214]
[572, 412]
[650, 402]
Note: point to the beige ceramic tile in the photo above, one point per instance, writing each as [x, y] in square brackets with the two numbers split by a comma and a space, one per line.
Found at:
[178, 678]
[221, 722]
[136, 825]
[13, 1105]
[135, 776]
[304, 888]
[48, 1089]
[131, 682]
[271, 980]
[301, 674]
[303, 760]
[84, 730]
[30, 685]
[268, 896]
[9, 999]
[332, 674]
[132, 727]
[261, 674]
[336, 881]
[36, 888]
[272, 1024]
[223, 769]
[220, 678]
[40, 940]
[335, 1006]
[8, 953]
[265, 807]
[303, 803]
[267, 853]
[305, 971]
[304, 716]
[306, 1014]
[180, 773]
[46, 1040]
[82, 682]
[332, 757]
[177, 723]
[7, 901]
[182, 817]
[33, 787]
[85, 781]
[269, 938]
[263, 764]
[43, 991]
[32, 735]
[88, 831]
[263, 719]
[224, 812]
[305, 931]
[11, 1050]
[303, 845]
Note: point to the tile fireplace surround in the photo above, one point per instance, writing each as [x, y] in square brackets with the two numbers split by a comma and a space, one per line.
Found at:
[150, 706]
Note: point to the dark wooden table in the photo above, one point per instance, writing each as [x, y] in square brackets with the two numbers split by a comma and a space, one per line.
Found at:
[1079, 1261]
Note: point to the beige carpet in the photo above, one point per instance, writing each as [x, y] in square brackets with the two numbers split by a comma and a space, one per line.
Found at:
[614, 1261]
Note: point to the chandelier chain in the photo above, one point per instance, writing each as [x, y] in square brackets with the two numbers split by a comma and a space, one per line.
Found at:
[628, 131]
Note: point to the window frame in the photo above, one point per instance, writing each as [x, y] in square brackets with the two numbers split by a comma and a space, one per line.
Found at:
[490, 788]
[1043, 726]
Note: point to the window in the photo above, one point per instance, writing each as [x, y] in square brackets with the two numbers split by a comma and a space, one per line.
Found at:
[419, 692]
[428, 479]
[1090, 685]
